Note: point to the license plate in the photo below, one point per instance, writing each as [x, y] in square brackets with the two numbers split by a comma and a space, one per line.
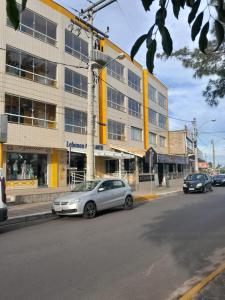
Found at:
[58, 208]
[191, 189]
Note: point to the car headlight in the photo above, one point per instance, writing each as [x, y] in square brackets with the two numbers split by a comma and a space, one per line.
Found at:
[74, 201]
[199, 185]
[184, 185]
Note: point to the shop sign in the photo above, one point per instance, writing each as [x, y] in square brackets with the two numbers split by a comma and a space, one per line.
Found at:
[81, 146]
[3, 128]
[146, 177]
[25, 149]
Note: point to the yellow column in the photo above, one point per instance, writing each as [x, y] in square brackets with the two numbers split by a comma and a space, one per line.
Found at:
[1, 155]
[54, 179]
[102, 103]
[145, 108]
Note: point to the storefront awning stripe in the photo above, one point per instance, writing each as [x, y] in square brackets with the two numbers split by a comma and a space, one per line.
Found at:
[104, 153]
[131, 150]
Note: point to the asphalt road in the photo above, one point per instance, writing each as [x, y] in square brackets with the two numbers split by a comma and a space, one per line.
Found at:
[147, 253]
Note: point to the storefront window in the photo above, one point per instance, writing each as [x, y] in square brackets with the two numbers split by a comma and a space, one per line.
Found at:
[27, 166]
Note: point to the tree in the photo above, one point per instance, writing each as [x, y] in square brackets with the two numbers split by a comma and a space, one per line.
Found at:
[195, 18]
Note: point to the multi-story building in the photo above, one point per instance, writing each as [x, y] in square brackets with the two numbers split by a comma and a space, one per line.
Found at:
[44, 87]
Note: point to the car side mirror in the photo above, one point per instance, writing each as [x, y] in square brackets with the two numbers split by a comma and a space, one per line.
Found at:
[101, 189]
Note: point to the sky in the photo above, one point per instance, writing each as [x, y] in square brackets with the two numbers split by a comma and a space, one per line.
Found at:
[127, 22]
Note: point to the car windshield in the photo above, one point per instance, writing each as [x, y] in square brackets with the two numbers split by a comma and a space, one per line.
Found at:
[195, 177]
[85, 186]
[219, 177]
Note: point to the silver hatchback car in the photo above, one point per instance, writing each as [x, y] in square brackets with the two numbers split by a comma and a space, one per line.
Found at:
[91, 196]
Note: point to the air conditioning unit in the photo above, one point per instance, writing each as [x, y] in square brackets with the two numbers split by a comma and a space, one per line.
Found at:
[100, 58]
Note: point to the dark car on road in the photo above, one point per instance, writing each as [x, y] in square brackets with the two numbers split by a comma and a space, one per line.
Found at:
[219, 180]
[199, 182]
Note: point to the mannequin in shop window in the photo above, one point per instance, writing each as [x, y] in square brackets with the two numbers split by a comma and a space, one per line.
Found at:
[30, 172]
[24, 170]
[15, 169]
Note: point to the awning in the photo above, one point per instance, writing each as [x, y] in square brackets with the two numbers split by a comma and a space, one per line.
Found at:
[172, 159]
[131, 150]
[103, 153]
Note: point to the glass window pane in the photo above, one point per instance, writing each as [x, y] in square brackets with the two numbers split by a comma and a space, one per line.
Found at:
[25, 111]
[27, 65]
[38, 110]
[39, 66]
[51, 30]
[27, 19]
[40, 24]
[68, 76]
[12, 57]
[51, 70]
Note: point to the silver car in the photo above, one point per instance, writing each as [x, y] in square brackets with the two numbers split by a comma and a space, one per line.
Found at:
[89, 197]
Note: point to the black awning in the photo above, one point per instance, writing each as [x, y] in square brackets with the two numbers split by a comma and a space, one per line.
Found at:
[172, 159]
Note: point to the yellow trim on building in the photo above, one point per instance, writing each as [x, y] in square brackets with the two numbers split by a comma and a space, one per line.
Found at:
[64, 12]
[145, 108]
[18, 184]
[54, 178]
[102, 103]
[119, 50]
[1, 155]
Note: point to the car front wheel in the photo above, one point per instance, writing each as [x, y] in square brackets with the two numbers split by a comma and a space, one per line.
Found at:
[128, 204]
[90, 210]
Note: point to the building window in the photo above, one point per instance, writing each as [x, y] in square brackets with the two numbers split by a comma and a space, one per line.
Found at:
[134, 81]
[152, 138]
[75, 83]
[75, 121]
[151, 93]
[37, 26]
[162, 100]
[152, 116]
[75, 46]
[134, 108]
[162, 141]
[116, 130]
[29, 112]
[27, 166]
[136, 134]
[116, 70]
[115, 99]
[25, 65]
[162, 121]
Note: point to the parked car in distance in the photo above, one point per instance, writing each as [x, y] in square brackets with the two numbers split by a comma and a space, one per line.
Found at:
[219, 180]
[198, 182]
[89, 197]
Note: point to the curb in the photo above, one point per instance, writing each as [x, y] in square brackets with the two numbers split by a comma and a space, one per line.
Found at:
[198, 287]
[150, 197]
[27, 218]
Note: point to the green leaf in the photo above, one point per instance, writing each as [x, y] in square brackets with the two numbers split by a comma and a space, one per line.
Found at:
[197, 26]
[13, 13]
[190, 3]
[24, 3]
[160, 17]
[203, 41]
[149, 34]
[219, 34]
[150, 55]
[137, 45]
[194, 11]
[182, 3]
[221, 14]
[167, 42]
[147, 4]
[176, 7]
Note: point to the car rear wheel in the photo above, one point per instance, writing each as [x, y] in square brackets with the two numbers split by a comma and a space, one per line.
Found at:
[204, 189]
[90, 210]
[128, 204]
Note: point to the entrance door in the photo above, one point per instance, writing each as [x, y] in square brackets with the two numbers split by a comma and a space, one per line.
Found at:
[42, 169]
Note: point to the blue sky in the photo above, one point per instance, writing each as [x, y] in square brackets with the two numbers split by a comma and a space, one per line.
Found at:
[126, 23]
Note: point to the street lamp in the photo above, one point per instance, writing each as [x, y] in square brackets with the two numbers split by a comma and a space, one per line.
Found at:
[90, 128]
[195, 137]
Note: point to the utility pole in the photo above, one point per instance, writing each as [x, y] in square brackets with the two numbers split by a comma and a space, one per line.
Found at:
[213, 153]
[89, 13]
[195, 137]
